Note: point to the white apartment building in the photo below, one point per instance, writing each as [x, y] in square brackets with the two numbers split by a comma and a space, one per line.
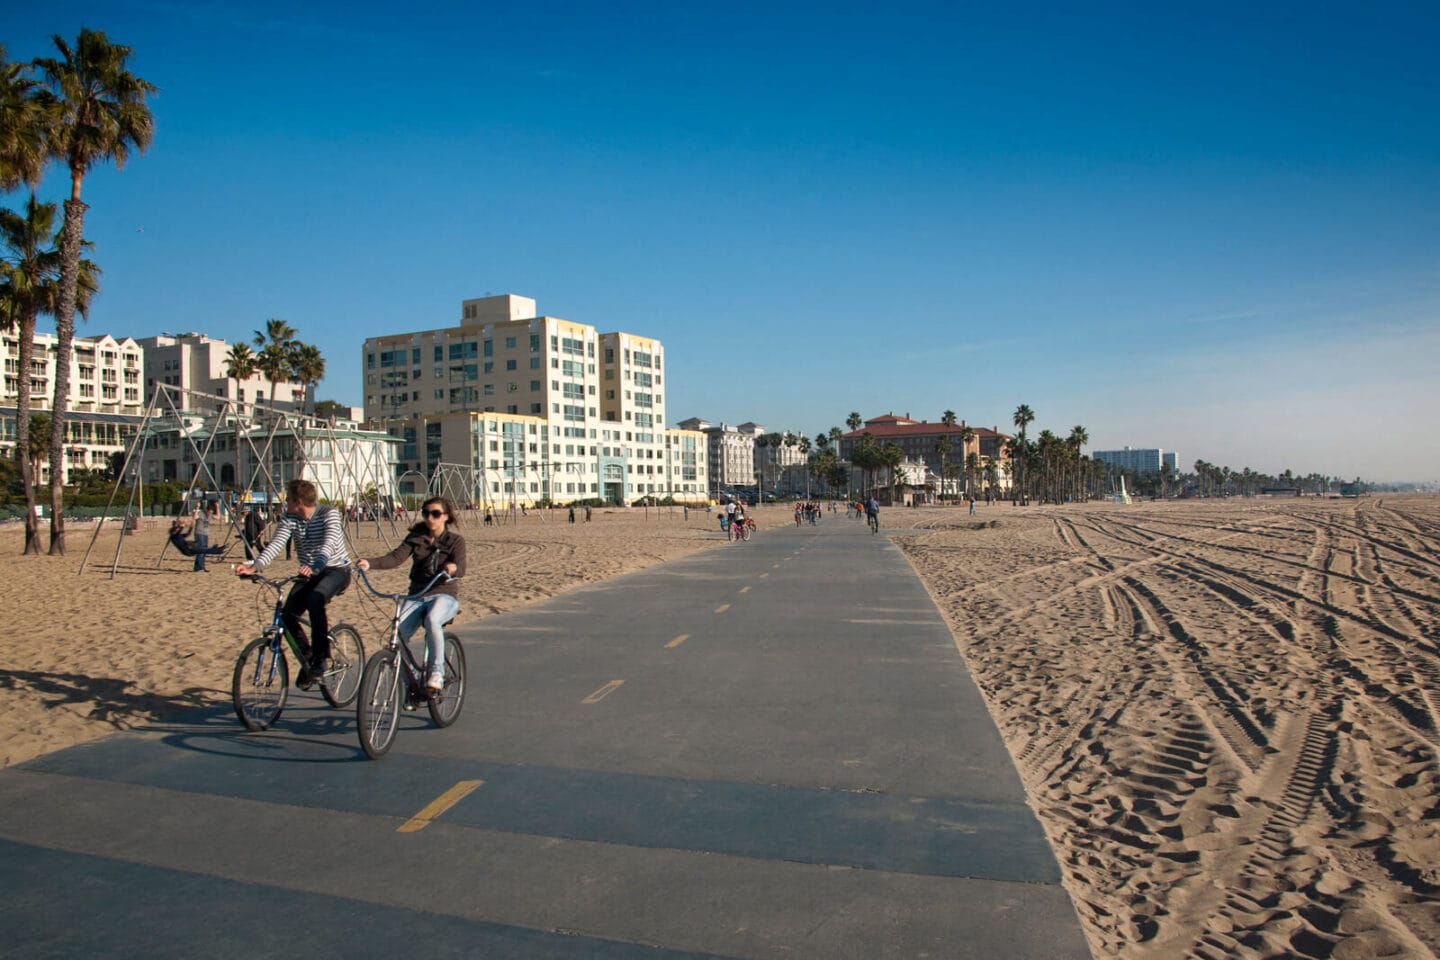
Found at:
[1141, 460]
[104, 400]
[195, 362]
[600, 396]
[729, 450]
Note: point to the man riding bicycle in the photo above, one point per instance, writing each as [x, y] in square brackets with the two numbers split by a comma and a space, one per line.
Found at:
[872, 512]
[319, 537]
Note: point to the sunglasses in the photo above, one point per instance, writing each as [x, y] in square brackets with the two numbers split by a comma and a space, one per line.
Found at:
[434, 513]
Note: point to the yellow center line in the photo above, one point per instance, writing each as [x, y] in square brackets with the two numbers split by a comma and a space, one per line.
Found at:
[744, 589]
[439, 805]
[677, 641]
[722, 608]
[764, 575]
[603, 692]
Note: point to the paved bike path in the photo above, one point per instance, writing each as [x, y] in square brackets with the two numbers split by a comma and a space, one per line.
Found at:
[768, 749]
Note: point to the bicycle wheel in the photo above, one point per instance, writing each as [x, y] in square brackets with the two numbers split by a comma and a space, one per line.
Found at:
[347, 665]
[261, 684]
[377, 711]
[745, 533]
[445, 709]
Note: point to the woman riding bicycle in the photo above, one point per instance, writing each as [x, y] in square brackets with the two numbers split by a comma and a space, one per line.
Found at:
[432, 546]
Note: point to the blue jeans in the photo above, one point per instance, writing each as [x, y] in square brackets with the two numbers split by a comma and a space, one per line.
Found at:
[434, 611]
[202, 547]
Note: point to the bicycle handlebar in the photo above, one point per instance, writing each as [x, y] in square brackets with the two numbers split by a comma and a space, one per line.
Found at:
[274, 584]
[402, 597]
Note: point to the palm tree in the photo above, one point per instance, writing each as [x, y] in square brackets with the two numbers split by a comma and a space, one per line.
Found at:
[239, 365]
[1079, 436]
[275, 359]
[37, 445]
[854, 420]
[97, 112]
[972, 469]
[967, 437]
[29, 287]
[23, 126]
[943, 448]
[1023, 417]
[309, 368]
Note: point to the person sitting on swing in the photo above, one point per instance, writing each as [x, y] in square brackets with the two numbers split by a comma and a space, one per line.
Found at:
[180, 540]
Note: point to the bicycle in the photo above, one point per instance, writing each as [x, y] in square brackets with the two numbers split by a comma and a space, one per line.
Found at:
[260, 686]
[873, 520]
[395, 679]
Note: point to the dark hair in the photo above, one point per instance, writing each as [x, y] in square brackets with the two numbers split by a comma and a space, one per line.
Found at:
[452, 516]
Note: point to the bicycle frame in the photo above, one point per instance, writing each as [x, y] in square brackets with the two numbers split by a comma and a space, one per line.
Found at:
[414, 669]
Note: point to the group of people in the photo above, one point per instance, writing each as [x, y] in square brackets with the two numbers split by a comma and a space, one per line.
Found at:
[733, 520]
[808, 510]
[316, 532]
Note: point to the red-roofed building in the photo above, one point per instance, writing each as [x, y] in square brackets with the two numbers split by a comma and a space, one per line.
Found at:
[920, 439]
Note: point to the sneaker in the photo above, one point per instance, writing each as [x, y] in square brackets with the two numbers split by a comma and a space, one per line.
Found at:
[303, 680]
[435, 682]
[309, 676]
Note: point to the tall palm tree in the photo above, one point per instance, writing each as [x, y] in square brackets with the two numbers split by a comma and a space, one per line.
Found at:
[967, 437]
[943, 448]
[854, 420]
[1079, 436]
[28, 264]
[275, 359]
[29, 287]
[23, 126]
[1023, 417]
[309, 368]
[97, 113]
[239, 365]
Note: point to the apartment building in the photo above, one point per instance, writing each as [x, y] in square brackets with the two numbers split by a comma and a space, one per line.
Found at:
[195, 362]
[599, 395]
[730, 451]
[104, 401]
[1140, 460]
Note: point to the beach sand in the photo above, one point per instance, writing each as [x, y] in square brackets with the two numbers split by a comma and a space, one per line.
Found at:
[1226, 712]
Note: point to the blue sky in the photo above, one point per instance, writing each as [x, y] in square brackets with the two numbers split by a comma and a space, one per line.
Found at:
[1215, 230]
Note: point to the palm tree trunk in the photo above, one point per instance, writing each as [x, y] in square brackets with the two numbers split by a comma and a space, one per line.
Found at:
[22, 432]
[70, 236]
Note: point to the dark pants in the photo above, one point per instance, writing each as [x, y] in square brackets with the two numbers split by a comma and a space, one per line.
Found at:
[202, 548]
[310, 598]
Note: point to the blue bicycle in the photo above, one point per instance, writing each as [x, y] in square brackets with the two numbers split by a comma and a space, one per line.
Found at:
[261, 684]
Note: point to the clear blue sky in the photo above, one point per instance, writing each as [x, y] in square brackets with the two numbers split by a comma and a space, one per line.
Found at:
[1214, 230]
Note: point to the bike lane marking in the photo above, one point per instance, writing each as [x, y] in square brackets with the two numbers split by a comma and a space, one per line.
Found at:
[603, 692]
[439, 805]
[722, 608]
[677, 641]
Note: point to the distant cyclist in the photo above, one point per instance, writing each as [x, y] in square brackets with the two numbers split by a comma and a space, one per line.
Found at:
[872, 512]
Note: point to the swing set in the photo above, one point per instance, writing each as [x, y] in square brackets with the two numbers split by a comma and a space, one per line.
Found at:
[339, 461]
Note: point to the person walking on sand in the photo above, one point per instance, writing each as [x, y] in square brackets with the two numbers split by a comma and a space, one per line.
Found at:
[432, 546]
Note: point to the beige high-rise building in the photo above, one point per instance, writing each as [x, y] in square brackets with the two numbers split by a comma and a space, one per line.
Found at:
[195, 362]
[599, 396]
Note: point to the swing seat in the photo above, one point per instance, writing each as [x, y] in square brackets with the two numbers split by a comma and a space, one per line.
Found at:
[187, 547]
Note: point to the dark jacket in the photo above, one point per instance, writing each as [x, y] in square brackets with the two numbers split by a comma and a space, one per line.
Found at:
[427, 559]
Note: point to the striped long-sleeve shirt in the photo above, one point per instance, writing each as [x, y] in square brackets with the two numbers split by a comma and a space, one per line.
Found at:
[319, 541]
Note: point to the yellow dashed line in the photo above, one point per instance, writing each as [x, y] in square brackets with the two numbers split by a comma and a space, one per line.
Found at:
[439, 805]
[603, 692]
[677, 641]
[744, 589]
[722, 608]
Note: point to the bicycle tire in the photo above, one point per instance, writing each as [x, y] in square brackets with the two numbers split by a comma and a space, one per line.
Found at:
[745, 534]
[377, 710]
[341, 683]
[261, 684]
[445, 709]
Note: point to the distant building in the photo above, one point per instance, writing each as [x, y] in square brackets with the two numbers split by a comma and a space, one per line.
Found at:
[920, 442]
[196, 363]
[1140, 460]
[730, 451]
[104, 401]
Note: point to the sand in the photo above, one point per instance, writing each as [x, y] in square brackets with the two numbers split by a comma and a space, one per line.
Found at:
[1225, 712]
